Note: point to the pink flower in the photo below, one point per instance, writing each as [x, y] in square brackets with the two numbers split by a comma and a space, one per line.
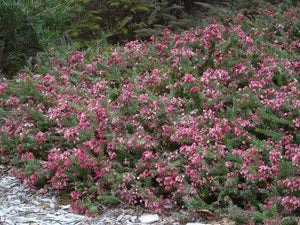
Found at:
[240, 17]
[290, 203]
[3, 87]
[147, 155]
[188, 78]
[297, 122]
[33, 178]
[27, 156]
[228, 164]
[77, 56]
[40, 137]
[194, 89]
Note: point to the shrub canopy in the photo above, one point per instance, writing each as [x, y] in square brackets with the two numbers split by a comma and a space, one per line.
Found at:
[206, 119]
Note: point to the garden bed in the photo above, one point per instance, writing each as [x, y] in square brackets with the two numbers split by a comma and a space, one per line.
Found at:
[203, 120]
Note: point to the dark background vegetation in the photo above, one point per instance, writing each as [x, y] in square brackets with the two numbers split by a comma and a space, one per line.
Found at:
[29, 27]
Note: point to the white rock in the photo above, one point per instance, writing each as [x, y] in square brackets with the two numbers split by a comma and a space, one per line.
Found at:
[133, 219]
[120, 217]
[75, 216]
[22, 206]
[197, 224]
[65, 206]
[148, 218]
[8, 222]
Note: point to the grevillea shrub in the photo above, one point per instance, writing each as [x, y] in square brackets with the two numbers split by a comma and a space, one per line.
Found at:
[207, 119]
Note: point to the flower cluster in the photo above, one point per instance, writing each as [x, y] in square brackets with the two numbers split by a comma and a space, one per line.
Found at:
[207, 118]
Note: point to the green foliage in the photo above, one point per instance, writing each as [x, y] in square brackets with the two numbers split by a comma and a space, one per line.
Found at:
[121, 124]
[115, 20]
[165, 14]
[27, 27]
[17, 36]
[124, 20]
[108, 199]
[289, 221]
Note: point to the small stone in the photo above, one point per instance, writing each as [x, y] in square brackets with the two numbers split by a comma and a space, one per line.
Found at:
[133, 219]
[35, 202]
[65, 206]
[148, 218]
[126, 217]
[9, 222]
[119, 218]
[23, 206]
[2, 167]
[197, 224]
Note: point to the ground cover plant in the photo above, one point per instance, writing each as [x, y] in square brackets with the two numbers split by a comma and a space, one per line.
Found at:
[205, 119]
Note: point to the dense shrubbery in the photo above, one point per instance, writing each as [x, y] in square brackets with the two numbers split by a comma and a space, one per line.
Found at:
[203, 120]
[115, 20]
[27, 27]
[124, 20]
